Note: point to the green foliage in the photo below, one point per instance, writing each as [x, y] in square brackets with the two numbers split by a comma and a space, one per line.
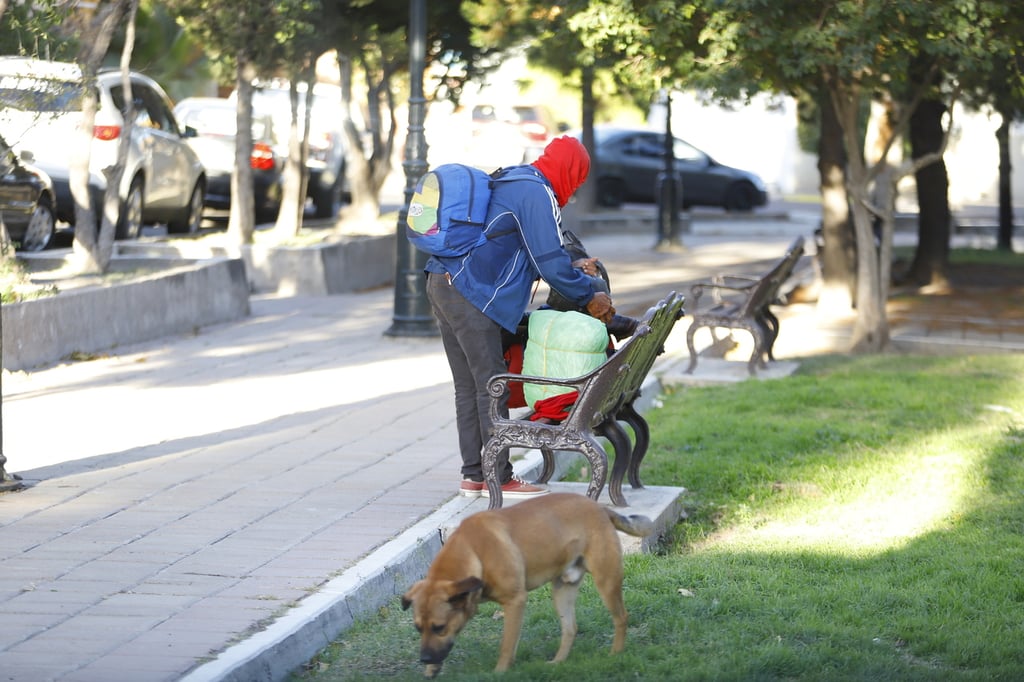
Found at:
[166, 52]
[264, 34]
[857, 521]
[35, 29]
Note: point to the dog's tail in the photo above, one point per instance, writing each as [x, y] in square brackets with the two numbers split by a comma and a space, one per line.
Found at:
[634, 524]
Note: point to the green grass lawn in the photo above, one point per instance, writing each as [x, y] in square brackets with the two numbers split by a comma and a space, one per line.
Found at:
[860, 520]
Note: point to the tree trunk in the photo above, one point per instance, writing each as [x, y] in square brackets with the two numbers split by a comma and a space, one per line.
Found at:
[114, 174]
[365, 202]
[92, 252]
[6, 246]
[295, 176]
[871, 328]
[242, 217]
[933, 228]
[838, 250]
[1004, 237]
[586, 196]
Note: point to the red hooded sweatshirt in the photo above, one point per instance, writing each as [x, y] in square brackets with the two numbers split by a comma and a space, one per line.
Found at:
[565, 163]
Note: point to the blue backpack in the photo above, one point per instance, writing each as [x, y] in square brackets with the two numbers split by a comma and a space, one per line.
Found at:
[448, 210]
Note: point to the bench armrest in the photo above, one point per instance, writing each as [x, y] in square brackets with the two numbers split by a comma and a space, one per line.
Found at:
[497, 386]
[720, 283]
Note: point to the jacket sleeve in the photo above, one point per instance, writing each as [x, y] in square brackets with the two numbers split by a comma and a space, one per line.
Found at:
[540, 225]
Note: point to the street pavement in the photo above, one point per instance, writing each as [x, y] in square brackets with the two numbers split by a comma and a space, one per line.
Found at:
[219, 506]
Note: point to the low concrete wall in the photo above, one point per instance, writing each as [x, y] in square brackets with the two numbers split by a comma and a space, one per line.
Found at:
[352, 263]
[341, 265]
[92, 319]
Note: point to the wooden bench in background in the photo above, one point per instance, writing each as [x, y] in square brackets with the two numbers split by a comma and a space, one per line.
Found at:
[744, 303]
[605, 398]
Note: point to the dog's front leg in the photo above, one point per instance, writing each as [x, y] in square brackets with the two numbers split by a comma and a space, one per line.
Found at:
[514, 610]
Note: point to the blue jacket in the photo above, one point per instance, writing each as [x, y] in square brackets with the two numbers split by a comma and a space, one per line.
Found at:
[524, 227]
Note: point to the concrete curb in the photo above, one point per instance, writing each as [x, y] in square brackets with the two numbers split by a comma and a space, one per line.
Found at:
[178, 300]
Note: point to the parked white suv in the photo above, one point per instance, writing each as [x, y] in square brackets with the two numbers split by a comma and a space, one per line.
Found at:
[40, 111]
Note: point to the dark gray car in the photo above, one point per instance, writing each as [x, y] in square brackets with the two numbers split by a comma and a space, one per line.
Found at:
[628, 161]
[26, 202]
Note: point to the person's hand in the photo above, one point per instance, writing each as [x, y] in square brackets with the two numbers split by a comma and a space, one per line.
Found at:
[587, 265]
[601, 307]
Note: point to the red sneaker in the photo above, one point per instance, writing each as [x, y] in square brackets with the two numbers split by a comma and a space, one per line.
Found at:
[517, 489]
[470, 488]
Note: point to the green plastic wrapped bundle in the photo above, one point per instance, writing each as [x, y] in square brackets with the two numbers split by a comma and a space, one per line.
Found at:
[561, 345]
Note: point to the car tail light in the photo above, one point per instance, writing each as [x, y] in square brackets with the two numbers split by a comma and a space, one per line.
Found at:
[106, 132]
[535, 131]
[262, 157]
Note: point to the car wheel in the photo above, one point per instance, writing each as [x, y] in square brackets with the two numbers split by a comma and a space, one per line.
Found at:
[191, 217]
[129, 223]
[611, 192]
[740, 197]
[40, 228]
[327, 200]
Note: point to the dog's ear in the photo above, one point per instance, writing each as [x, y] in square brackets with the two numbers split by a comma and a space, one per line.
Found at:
[410, 595]
[462, 589]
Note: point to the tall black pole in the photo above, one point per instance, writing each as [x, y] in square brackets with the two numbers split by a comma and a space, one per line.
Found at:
[412, 316]
[670, 189]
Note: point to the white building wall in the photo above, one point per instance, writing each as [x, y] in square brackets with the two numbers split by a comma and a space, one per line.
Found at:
[761, 137]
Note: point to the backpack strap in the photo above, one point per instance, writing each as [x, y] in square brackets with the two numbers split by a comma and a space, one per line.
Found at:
[501, 175]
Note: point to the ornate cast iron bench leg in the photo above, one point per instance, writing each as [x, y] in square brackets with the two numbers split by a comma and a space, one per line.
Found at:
[756, 355]
[489, 461]
[583, 443]
[548, 471]
[613, 431]
[692, 348]
[641, 441]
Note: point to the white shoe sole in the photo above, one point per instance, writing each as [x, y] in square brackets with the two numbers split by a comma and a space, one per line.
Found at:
[516, 495]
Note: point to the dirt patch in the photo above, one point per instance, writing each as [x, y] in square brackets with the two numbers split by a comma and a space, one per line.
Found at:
[982, 292]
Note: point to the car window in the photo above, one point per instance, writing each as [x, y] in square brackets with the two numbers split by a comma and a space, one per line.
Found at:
[686, 152]
[150, 109]
[651, 146]
[276, 102]
[160, 115]
[641, 145]
[223, 122]
[39, 94]
[211, 121]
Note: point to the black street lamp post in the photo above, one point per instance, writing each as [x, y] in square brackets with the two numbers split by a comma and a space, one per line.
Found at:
[670, 189]
[412, 316]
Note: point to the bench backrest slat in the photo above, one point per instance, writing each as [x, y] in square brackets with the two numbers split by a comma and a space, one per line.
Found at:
[618, 380]
[767, 289]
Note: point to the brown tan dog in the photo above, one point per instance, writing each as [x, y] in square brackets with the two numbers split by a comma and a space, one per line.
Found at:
[502, 554]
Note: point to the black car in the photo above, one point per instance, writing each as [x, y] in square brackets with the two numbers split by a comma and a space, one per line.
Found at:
[628, 161]
[326, 163]
[214, 122]
[26, 203]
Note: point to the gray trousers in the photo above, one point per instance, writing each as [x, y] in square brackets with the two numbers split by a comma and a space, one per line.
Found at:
[472, 342]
